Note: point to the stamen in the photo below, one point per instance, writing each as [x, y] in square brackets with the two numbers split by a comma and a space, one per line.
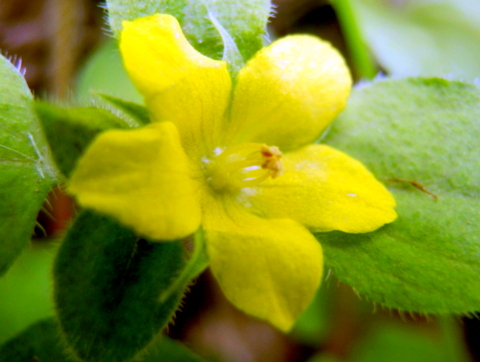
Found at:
[272, 161]
[244, 165]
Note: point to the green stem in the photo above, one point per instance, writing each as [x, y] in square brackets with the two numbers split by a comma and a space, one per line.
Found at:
[197, 263]
[363, 63]
[453, 345]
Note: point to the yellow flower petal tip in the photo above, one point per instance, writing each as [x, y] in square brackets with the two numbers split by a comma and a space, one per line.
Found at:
[236, 157]
[325, 189]
[142, 178]
[157, 55]
[270, 269]
[179, 84]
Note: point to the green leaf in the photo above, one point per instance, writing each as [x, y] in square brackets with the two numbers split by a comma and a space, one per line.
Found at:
[70, 130]
[39, 342]
[107, 288]
[245, 21]
[138, 112]
[423, 37]
[27, 172]
[424, 132]
[168, 350]
[42, 342]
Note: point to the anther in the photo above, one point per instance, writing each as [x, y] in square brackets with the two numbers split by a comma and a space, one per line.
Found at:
[272, 156]
[244, 165]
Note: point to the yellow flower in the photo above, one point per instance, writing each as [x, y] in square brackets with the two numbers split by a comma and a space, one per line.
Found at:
[236, 156]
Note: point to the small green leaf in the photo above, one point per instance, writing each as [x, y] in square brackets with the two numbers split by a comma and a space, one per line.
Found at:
[414, 134]
[27, 172]
[104, 73]
[70, 130]
[107, 286]
[168, 350]
[245, 21]
[138, 112]
[40, 342]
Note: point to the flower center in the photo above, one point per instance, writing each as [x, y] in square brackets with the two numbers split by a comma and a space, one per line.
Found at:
[243, 165]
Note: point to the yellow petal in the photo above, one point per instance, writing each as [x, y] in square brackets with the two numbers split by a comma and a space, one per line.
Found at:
[179, 84]
[325, 189]
[141, 178]
[288, 93]
[267, 268]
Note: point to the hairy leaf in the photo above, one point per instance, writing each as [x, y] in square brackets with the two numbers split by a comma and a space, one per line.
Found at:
[138, 112]
[39, 342]
[420, 137]
[108, 285]
[27, 172]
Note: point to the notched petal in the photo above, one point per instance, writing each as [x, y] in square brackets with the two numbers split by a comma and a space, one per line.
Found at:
[179, 84]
